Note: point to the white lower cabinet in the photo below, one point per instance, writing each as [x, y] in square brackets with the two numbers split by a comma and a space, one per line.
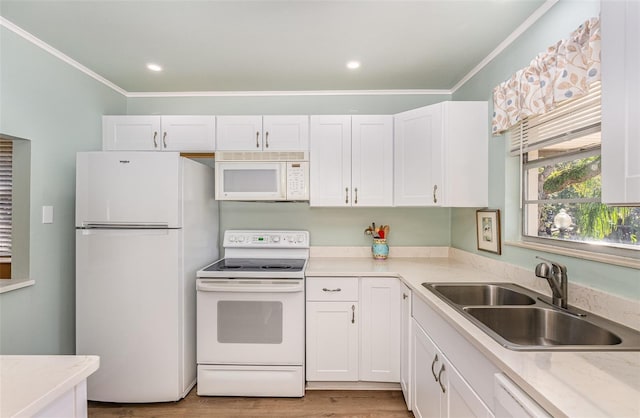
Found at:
[405, 343]
[438, 389]
[332, 341]
[353, 331]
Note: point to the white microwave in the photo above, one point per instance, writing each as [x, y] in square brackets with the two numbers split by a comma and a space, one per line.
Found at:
[270, 176]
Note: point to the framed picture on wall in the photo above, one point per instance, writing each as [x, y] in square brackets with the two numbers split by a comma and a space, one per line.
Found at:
[488, 230]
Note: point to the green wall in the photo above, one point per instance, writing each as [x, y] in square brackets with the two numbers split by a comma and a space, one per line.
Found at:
[59, 110]
[556, 24]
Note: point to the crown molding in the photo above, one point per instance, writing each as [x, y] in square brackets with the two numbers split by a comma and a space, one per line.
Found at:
[540, 11]
[48, 48]
[287, 93]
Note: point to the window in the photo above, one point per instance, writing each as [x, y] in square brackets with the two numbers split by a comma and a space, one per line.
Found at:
[6, 193]
[561, 182]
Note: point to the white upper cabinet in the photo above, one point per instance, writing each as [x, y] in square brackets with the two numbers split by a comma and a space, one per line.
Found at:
[158, 133]
[351, 161]
[441, 155]
[372, 160]
[262, 133]
[620, 22]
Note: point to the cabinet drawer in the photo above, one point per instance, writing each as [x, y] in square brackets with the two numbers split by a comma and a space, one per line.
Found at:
[332, 288]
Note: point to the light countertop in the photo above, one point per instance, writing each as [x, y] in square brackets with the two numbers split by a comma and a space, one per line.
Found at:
[572, 384]
[29, 383]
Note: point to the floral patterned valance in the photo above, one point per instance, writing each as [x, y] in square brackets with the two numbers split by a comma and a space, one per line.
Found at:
[564, 71]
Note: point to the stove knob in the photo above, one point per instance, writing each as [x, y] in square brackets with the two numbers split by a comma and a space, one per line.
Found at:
[240, 239]
[232, 238]
[276, 238]
[300, 238]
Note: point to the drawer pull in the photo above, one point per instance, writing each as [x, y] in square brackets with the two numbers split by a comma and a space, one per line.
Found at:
[155, 143]
[404, 296]
[324, 289]
[353, 314]
[433, 363]
[440, 379]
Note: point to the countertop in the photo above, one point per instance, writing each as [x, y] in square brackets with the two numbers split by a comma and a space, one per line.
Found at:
[571, 384]
[29, 383]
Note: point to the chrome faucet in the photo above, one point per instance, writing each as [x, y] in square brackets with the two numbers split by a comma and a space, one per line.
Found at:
[556, 275]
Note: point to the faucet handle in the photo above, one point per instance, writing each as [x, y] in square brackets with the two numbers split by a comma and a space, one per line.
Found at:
[555, 264]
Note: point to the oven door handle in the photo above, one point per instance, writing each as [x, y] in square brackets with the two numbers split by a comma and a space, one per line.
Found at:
[249, 288]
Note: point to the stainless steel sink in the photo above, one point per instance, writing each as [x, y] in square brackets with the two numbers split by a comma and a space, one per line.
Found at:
[542, 327]
[483, 294]
[524, 320]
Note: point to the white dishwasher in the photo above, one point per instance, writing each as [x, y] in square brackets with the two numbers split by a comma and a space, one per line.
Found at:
[511, 401]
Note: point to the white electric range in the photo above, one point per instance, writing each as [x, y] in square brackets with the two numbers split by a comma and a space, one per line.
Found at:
[250, 316]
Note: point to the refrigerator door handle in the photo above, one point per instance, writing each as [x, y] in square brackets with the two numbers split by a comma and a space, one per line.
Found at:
[91, 225]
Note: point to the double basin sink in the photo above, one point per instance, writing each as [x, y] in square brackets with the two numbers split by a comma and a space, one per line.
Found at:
[520, 319]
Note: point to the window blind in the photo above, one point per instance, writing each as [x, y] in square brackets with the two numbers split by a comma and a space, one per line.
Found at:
[6, 192]
[570, 120]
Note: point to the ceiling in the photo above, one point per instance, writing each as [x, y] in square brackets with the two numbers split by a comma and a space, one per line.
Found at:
[273, 45]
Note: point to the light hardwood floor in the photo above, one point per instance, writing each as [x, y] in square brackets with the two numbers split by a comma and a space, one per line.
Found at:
[316, 403]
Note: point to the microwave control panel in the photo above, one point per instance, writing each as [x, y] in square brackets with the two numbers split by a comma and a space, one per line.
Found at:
[298, 180]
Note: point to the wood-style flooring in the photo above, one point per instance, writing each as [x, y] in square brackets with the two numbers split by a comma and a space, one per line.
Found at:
[316, 403]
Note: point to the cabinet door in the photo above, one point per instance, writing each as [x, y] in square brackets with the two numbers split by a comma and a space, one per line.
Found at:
[405, 343]
[458, 400]
[131, 133]
[417, 157]
[188, 133]
[620, 102]
[332, 341]
[330, 161]
[239, 133]
[380, 329]
[372, 160]
[426, 362]
[285, 133]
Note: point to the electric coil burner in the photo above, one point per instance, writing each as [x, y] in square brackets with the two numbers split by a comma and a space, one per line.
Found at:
[250, 316]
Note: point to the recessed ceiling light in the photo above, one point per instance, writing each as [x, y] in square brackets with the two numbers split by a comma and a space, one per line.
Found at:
[154, 67]
[352, 65]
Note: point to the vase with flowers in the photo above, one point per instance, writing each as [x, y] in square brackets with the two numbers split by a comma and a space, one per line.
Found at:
[379, 248]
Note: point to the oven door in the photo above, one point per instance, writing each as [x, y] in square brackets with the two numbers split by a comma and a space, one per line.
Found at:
[248, 321]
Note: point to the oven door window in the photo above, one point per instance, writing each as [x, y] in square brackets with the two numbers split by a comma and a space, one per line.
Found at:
[250, 322]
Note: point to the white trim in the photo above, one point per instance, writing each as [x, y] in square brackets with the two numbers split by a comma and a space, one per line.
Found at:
[48, 48]
[586, 255]
[540, 11]
[7, 285]
[288, 93]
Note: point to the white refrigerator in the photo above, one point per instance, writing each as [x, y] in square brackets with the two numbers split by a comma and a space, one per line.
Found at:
[146, 222]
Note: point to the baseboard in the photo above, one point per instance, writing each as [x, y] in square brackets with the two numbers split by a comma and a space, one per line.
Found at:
[352, 386]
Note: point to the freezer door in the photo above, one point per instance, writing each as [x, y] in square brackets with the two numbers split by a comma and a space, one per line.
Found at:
[129, 311]
[128, 188]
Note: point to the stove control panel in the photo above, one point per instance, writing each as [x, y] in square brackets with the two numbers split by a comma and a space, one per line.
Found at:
[270, 239]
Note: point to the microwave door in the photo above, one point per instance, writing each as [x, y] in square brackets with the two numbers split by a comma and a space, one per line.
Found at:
[251, 181]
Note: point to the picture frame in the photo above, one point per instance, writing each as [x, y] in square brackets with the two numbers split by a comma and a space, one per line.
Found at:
[488, 230]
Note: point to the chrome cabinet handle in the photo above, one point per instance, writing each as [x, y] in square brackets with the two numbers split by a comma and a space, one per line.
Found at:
[353, 314]
[257, 139]
[324, 289]
[435, 188]
[404, 296]
[356, 201]
[155, 143]
[266, 139]
[433, 372]
[346, 195]
[440, 379]
[164, 139]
